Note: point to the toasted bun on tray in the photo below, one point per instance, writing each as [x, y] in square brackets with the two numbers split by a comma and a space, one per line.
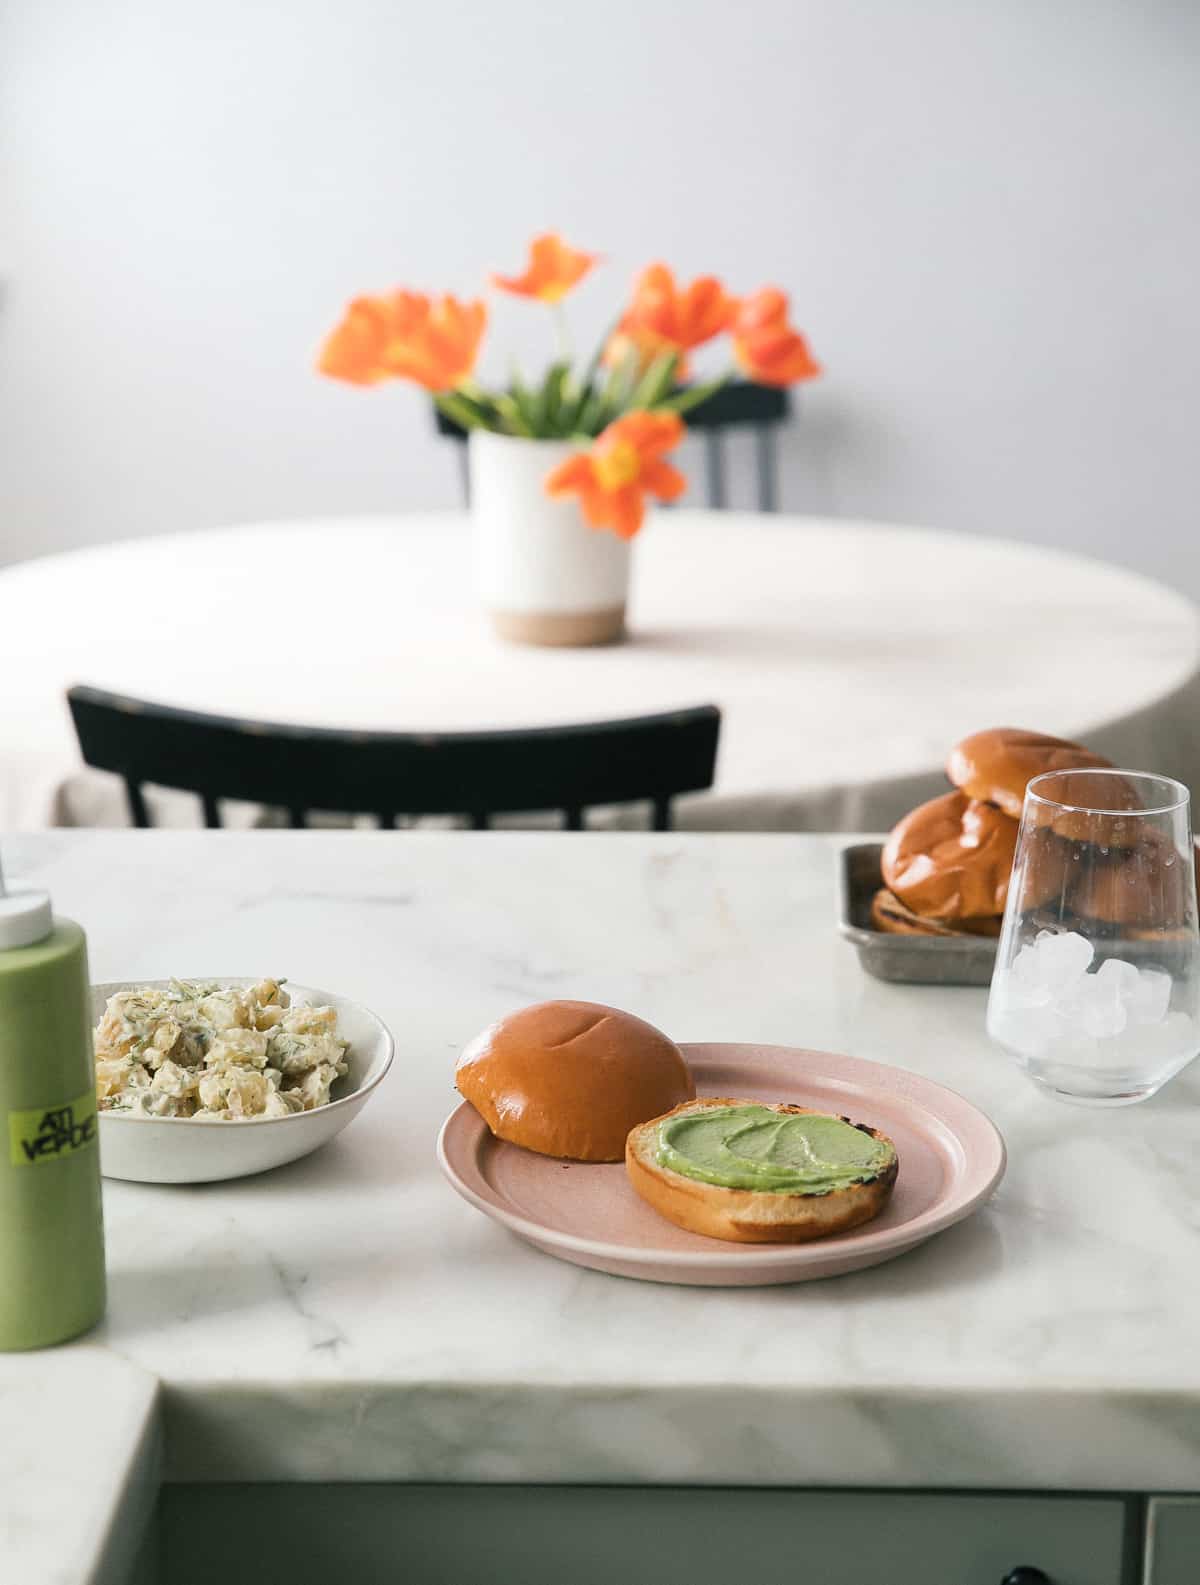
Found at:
[946, 867]
[758, 1215]
[996, 766]
[889, 914]
[950, 859]
[570, 1079]
[1143, 890]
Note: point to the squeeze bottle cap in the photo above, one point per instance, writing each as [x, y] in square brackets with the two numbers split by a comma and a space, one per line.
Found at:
[25, 917]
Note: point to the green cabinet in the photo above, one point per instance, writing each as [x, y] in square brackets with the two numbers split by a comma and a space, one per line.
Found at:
[577, 1535]
[1172, 1541]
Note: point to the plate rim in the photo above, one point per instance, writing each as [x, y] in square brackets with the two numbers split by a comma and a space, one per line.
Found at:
[763, 1257]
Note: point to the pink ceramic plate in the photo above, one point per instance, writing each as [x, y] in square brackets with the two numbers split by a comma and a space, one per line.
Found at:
[951, 1158]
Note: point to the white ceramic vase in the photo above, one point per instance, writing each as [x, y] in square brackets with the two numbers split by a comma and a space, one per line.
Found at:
[543, 575]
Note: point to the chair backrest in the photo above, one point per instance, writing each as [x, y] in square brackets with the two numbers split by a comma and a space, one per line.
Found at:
[387, 774]
[738, 405]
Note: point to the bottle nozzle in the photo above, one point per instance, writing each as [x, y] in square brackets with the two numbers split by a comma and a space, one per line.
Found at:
[25, 917]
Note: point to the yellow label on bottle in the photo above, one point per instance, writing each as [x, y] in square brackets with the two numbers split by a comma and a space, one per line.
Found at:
[49, 1133]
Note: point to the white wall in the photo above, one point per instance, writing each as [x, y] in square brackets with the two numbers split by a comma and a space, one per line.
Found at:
[988, 214]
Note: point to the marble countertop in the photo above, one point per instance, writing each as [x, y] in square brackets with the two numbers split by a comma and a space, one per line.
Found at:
[348, 1318]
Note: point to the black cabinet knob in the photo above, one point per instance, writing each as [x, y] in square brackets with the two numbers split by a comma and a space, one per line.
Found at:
[1026, 1576]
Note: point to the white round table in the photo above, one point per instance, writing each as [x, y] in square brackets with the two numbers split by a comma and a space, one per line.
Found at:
[846, 657]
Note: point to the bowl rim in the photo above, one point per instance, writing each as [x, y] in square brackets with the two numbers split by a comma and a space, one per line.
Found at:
[111, 987]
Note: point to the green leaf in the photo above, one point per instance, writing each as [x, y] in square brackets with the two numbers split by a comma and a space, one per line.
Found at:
[551, 399]
[656, 382]
[576, 409]
[612, 397]
[692, 396]
[526, 405]
[573, 419]
[589, 412]
[509, 413]
[465, 410]
[580, 427]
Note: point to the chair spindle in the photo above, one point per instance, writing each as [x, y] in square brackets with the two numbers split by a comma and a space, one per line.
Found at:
[138, 812]
[766, 453]
[714, 462]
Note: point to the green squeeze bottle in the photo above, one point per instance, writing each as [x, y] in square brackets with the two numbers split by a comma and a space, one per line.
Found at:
[51, 1230]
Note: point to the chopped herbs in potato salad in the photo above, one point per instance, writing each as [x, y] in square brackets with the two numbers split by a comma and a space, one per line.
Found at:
[215, 1052]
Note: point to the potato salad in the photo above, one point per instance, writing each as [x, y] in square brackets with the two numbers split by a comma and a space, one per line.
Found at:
[216, 1052]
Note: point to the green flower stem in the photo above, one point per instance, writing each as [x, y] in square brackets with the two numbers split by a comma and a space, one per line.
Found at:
[562, 333]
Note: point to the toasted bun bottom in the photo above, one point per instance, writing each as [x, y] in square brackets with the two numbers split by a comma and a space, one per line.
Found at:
[749, 1216]
[889, 914]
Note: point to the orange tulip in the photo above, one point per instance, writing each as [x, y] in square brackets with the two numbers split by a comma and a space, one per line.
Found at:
[624, 465]
[767, 349]
[552, 271]
[405, 336]
[664, 317]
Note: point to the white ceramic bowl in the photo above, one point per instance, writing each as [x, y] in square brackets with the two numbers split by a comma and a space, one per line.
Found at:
[181, 1150]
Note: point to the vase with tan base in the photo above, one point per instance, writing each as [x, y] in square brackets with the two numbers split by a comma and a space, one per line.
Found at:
[543, 575]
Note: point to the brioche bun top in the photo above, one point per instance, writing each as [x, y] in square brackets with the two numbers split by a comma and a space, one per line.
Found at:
[570, 1079]
[996, 766]
[951, 858]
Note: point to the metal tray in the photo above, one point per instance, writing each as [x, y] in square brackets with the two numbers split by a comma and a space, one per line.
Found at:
[969, 960]
[910, 960]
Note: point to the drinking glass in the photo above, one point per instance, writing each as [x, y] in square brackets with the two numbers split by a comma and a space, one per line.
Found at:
[1096, 990]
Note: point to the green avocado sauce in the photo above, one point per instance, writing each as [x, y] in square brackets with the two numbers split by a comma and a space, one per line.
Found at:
[753, 1147]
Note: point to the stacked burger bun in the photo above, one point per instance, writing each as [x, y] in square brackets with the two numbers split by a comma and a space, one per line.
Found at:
[946, 866]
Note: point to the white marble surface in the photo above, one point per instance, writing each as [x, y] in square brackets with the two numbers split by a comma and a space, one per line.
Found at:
[348, 1318]
[80, 1446]
[846, 657]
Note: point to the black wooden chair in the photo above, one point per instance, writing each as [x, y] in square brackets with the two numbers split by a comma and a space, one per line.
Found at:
[388, 774]
[739, 405]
